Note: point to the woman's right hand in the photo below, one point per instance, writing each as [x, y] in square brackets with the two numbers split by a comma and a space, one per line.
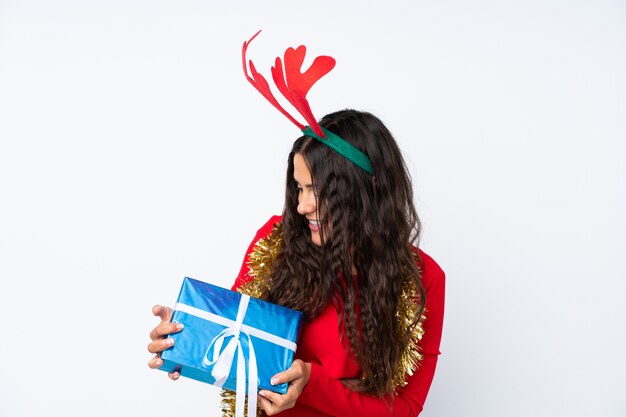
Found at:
[160, 341]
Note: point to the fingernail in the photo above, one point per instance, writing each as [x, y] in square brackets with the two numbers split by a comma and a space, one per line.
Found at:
[159, 362]
[170, 341]
[274, 381]
[261, 393]
[180, 326]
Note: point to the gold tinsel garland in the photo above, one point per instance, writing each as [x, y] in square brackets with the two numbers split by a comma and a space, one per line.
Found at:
[408, 308]
[260, 261]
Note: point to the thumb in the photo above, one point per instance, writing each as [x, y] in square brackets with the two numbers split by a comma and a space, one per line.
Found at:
[165, 313]
[289, 375]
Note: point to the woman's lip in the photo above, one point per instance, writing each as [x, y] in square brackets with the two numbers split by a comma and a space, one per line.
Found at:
[314, 225]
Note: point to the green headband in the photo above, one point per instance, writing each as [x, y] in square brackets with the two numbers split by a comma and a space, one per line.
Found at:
[343, 148]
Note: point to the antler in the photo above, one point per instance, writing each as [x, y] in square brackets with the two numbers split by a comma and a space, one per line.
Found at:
[292, 83]
[260, 83]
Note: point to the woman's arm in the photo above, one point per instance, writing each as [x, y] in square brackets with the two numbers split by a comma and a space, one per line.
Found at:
[331, 396]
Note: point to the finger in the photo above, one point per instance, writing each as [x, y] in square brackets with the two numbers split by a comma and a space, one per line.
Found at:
[160, 345]
[165, 313]
[290, 374]
[156, 362]
[276, 399]
[174, 375]
[265, 404]
[164, 329]
[268, 406]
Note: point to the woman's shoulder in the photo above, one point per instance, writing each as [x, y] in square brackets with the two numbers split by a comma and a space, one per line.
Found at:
[268, 227]
[260, 250]
[432, 273]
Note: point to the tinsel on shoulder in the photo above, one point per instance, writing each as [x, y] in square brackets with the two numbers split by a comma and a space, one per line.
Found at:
[260, 261]
[408, 309]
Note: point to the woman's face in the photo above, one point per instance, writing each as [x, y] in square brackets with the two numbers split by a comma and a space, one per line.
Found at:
[307, 200]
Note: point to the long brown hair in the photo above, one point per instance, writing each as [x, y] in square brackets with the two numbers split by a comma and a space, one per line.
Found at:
[367, 222]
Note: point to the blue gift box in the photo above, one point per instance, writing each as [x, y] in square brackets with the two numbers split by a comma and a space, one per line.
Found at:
[227, 335]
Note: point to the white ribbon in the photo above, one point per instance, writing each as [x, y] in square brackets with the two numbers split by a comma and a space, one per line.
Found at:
[222, 361]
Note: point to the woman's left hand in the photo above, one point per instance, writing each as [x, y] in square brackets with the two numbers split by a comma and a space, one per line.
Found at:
[297, 376]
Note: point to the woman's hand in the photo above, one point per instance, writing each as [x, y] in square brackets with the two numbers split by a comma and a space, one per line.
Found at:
[297, 376]
[160, 342]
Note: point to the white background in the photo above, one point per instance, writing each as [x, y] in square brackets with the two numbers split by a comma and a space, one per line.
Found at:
[133, 153]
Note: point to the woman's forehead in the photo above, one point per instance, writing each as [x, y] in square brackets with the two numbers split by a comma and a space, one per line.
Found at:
[301, 172]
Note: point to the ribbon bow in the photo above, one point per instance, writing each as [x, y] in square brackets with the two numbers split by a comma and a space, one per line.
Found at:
[222, 361]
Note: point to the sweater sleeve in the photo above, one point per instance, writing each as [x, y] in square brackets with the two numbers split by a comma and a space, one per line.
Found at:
[265, 230]
[331, 396]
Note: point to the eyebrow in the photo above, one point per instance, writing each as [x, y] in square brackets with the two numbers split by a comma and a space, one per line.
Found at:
[302, 185]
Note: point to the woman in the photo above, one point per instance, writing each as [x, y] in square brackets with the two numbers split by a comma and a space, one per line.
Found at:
[342, 254]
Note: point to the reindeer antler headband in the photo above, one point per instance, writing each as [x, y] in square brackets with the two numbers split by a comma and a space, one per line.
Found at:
[294, 86]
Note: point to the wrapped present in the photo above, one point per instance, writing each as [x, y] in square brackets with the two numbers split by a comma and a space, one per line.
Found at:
[231, 340]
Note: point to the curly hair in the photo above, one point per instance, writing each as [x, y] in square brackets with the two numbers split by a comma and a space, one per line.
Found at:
[369, 231]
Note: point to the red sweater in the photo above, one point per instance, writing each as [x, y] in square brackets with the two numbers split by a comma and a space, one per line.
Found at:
[320, 345]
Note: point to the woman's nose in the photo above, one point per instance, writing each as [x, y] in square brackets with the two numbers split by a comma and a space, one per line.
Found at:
[306, 203]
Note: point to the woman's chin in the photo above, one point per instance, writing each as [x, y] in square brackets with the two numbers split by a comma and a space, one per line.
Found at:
[316, 238]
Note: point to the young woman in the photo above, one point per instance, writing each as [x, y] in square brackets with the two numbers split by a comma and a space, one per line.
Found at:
[344, 252]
